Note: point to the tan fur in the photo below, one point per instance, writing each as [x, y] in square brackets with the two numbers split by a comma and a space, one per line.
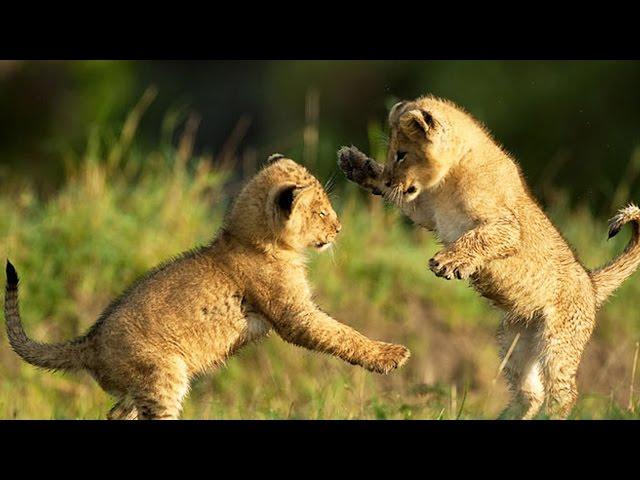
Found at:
[456, 181]
[192, 313]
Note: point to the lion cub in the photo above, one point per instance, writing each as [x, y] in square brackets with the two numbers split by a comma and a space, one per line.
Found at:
[447, 174]
[193, 312]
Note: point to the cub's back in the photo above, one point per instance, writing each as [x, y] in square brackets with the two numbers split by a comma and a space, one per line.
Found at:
[187, 307]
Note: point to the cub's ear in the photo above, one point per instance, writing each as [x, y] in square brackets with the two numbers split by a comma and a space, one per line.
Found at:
[416, 122]
[274, 158]
[396, 111]
[287, 197]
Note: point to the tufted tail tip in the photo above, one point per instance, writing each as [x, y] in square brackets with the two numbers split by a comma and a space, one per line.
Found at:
[12, 275]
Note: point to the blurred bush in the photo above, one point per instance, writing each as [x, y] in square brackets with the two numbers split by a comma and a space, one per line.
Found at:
[122, 208]
[573, 125]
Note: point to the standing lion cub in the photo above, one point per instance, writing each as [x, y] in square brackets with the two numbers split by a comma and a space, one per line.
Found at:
[193, 312]
[448, 175]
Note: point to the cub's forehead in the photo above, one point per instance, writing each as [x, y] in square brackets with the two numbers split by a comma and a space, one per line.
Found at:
[435, 106]
[285, 170]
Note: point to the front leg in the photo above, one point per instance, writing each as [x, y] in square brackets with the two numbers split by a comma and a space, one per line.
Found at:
[361, 169]
[491, 240]
[282, 295]
[313, 329]
[305, 325]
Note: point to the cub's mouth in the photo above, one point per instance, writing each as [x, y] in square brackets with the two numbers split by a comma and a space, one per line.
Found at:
[411, 193]
[321, 245]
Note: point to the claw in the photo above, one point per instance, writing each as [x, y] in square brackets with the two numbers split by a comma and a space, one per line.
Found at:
[613, 230]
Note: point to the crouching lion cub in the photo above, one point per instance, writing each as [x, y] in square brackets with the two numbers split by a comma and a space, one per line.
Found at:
[448, 175]
[190, 314]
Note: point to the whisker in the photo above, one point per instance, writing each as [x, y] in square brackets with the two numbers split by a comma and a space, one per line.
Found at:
[331, 182]
[399, 197]
[392, 196]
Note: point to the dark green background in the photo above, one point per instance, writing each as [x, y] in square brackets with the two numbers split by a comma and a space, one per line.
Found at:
[573, 125]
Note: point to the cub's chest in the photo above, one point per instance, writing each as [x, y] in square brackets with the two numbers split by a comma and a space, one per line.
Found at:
[451, 222]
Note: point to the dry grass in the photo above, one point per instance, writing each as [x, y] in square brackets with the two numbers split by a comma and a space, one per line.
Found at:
[123, 211]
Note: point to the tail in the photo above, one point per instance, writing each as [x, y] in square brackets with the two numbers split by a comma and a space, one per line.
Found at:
[610, 277]
[57, 356]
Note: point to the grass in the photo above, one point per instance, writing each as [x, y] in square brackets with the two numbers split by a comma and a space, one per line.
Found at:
[122, 210]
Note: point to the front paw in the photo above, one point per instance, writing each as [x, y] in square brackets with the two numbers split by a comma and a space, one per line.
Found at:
[447, 265]
[359, 168]
[388, 357]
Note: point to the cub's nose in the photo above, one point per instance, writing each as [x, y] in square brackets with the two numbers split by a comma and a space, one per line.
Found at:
[390, 181]
[338, 227]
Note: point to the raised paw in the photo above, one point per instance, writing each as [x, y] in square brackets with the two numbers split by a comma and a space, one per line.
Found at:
[388, 357]
[449, 266]
[360, 169]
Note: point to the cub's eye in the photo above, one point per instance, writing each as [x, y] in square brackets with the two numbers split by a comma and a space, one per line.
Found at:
[322, 214]
[400, 156]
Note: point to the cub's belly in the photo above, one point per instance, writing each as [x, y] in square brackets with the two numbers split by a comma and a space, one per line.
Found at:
[257, 326]
[241, 327]
[515, 286]
[452, 225]
[218, 333]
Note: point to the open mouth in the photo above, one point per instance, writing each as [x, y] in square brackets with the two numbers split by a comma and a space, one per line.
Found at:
[322, 245]
[399, 193]
[411, 193]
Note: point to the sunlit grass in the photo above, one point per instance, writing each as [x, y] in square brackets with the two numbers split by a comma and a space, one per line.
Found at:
[122, 213]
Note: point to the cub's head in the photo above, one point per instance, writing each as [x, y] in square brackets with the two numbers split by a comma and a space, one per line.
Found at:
[425, 142]
[284, 206]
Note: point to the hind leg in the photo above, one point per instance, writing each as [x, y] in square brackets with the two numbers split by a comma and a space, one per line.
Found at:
[158, 408]
[532, 390]
[522, 369]
[124, 409]
[563, 343]
[160, 396]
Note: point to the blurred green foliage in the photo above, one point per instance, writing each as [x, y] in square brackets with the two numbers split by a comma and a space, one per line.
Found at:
[122, 208]
[573, 125]
[93, 193]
